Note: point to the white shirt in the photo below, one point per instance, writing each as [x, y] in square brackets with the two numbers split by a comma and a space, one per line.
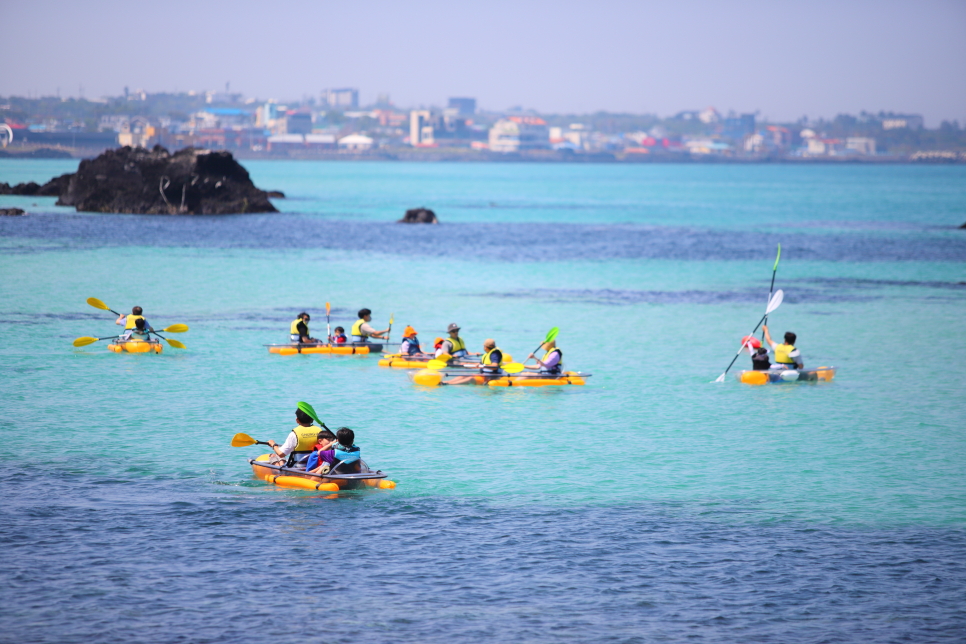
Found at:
[291, 442]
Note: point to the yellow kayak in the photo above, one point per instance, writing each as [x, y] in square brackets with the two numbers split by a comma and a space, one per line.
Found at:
[431, 378]
[327, 349]
[136, 346]
[300, 479]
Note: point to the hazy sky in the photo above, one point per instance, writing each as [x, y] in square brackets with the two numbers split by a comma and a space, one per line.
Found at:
[786, 59]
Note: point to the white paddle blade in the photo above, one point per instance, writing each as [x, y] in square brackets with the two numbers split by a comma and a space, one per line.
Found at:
[776, 301]
[719, 378]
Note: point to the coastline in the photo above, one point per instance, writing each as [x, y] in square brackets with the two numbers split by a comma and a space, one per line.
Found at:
[463, 155]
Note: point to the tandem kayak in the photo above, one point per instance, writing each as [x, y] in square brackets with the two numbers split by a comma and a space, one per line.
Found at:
[136, 346]
[328, 349]
[819, 374]
[300, 479]
[398, 361]
[431, 378]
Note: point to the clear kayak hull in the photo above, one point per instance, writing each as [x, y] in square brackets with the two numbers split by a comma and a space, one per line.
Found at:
[782, 376]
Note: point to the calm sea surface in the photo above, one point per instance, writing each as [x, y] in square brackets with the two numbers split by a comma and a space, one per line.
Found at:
[649, 506]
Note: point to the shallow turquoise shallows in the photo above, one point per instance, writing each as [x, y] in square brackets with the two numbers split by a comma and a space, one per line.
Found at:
[676, 507]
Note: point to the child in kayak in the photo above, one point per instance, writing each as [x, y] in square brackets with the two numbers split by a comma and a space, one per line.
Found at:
[341, 452]
[141, 331]
[323, 441]
[339, 337]
[410, 343]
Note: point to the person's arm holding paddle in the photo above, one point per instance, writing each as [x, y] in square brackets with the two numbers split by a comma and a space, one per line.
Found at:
[372, 333]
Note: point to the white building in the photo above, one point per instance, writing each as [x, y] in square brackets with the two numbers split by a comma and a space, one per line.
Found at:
[355, 142]
[340, 99]
[861, 144]
[518, 133]
[421, 128]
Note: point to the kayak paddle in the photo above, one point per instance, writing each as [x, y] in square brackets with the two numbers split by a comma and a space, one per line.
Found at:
[328, 328]
[307, 408]
[389, 332]
[97, 304]
[244, 440]
[86, 340]
[176, 328]
[772, 287]
[173, 343]
[551, 336]
[773, 304]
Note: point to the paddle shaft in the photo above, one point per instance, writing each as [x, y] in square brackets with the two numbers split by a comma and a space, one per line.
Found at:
[771, 289]
[328, 326]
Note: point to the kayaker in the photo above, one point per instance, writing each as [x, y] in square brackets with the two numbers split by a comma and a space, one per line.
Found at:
[759, 359]
[410, 343]
[550, 364]
[323, 441]
[339, 337]
[342, 454]
[787, 356]
[141, 331]
[489, 365]
[299, 329]
[131, 319]
[362, 330]
[454, 345]
[299, 442]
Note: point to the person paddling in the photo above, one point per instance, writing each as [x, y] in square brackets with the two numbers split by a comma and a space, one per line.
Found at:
[489, 365]
[362, 330]
[130, 321]
[298, 443]
[299, 329]
[454, 344]
[550, 364]
[787, 356]
[141, 332]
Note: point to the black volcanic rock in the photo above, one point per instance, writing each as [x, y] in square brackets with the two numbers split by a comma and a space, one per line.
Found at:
[419, 216]
[11, 212]
[156, 182]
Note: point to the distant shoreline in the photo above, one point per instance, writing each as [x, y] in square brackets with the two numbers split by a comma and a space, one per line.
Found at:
[459, 155]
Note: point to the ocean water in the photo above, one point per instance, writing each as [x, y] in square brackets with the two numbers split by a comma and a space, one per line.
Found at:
[650, 505]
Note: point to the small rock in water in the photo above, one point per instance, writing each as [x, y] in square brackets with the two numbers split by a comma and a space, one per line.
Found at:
[419, 216]
[11, 212]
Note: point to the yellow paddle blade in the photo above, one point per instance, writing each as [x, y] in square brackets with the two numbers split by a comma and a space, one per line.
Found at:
[176, 328]
[84, 341]
[327, 308]
[391, 318]
[242, 440]
[436, 364]
[444, 357]
[97, 304]
[175, 344]
[513, 367]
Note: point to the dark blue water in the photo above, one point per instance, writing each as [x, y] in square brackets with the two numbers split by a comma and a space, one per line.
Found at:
[115, 558]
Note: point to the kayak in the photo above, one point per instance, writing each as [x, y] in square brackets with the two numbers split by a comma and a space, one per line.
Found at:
[399, 361]
[786, 375]
[328, 349]
[136, 346]
[300, 479]
[431, 378]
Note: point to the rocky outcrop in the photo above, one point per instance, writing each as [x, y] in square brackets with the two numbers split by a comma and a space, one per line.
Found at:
[419, 216]
[156, 182]
[52, 188]
[11, 212]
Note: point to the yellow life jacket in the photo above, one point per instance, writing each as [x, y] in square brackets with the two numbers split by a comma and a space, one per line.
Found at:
[458, 344]
[781, 354]
[357, 329]
[294, 328]
[308, 437]
[131, 320]
[485, 360]
[549, 353]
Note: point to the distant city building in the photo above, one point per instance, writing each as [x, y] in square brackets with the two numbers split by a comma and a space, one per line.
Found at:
[298, 123]
[466, 106]
[518, 133]
[346, 98]
[421, 132]
[861, 144]
[737, 127]
[898, 122]
[709, 115]
[283, 142]
[356, 142]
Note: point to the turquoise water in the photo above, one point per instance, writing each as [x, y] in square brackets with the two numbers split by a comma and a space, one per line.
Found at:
[651, 492]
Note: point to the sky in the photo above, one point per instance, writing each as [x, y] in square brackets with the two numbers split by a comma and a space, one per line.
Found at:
[780, 58]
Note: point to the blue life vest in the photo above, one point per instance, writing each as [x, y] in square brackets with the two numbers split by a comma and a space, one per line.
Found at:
[412, 346]
[347, 454]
